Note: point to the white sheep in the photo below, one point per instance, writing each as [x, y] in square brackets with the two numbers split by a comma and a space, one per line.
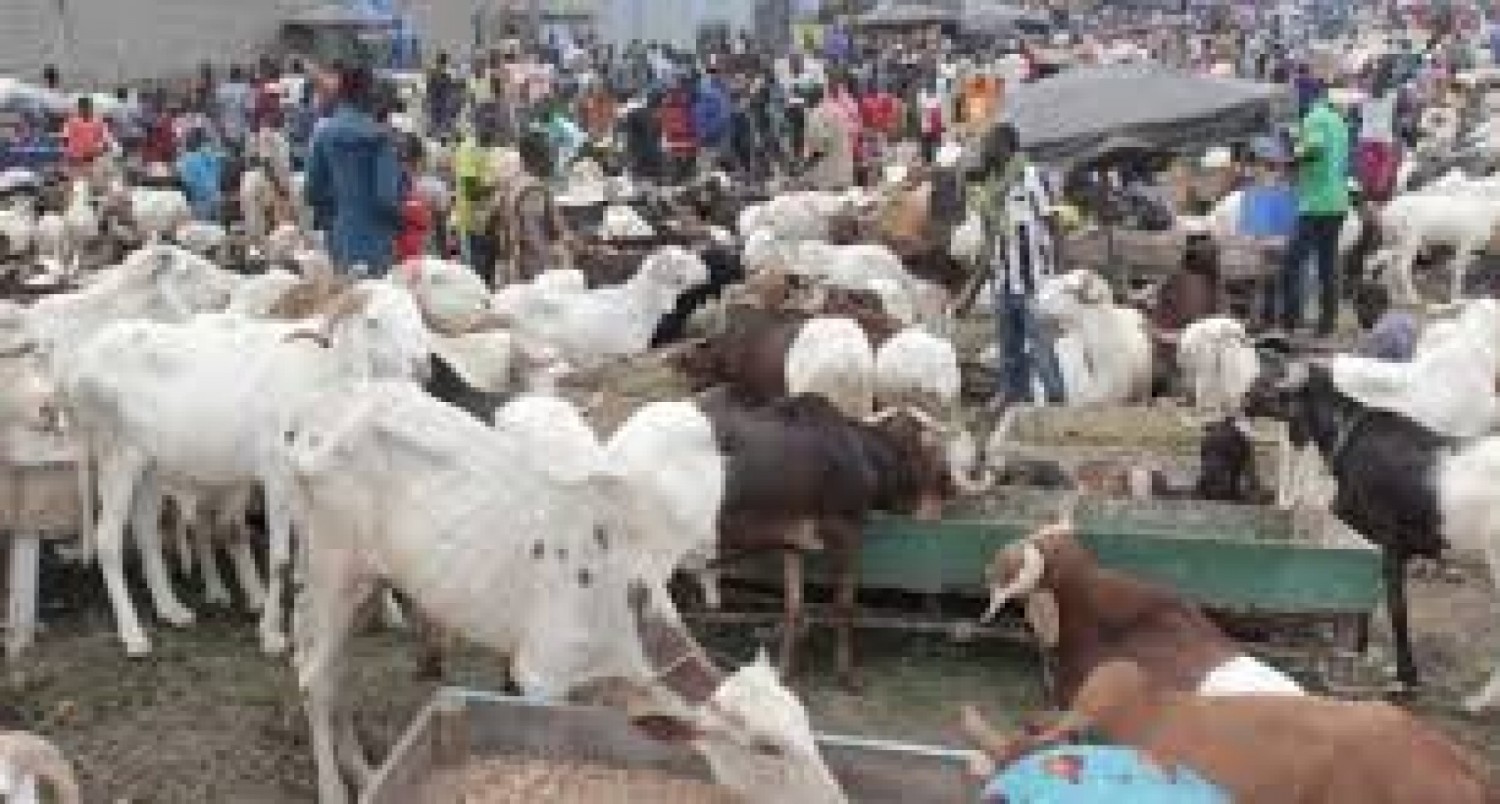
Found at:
[1219, 363]
[17, 228]
[800, 215]
[81, 220]
[667, 478]
[450, 293]
[832, 357]
[967, 242]
[51, 234]
[204, 238]
[919, 369]
[158, 212]
[1112, 343]
[521, 556]
[1449, 384]
[1463, 220]
[622, 223]
[864, 267]
[593, 326]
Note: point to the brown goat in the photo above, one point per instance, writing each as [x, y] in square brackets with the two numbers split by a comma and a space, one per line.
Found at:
[1088, 615]
[803, 477]
[1265, 750]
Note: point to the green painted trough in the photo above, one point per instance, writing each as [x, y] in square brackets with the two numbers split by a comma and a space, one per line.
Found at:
[1240, 559]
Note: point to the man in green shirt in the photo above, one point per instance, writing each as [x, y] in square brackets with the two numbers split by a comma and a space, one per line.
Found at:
[1322, 203]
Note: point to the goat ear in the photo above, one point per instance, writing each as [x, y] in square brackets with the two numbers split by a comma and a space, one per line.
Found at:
[762, 657]
[668, 728]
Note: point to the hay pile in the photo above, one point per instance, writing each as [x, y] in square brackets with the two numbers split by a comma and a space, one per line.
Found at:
[612, 393]
[506, 780]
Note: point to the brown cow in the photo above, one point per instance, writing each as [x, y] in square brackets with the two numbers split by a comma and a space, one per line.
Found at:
[1088, 615]
[1264, 750]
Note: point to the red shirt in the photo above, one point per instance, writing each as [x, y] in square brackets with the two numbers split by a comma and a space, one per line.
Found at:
[416, 225]
[881, 112]
[677, 126]
[84, 139]
[160, 144]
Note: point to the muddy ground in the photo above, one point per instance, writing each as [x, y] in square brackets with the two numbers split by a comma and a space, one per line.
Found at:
[207, 719]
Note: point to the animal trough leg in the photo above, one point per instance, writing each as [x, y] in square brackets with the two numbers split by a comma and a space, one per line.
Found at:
[21, 611]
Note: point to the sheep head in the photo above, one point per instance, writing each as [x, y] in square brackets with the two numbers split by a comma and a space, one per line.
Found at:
[1065, 298]
[754, 732]
[673, 270]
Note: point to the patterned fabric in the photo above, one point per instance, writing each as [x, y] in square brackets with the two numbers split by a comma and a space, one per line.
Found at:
[1013, 206]
[1097, 774]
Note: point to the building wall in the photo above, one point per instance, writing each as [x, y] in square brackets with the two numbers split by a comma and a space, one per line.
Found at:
[673, 21]
[103, 41]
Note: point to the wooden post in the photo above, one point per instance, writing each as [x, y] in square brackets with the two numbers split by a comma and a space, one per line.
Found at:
[21, 608]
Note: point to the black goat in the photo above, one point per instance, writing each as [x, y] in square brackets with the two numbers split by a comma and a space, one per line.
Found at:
[1392, 485]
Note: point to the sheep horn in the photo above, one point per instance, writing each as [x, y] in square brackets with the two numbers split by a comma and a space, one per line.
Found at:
[980, 482]
[1033, 566]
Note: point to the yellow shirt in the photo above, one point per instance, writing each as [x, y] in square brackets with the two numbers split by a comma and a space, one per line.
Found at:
[470, 162]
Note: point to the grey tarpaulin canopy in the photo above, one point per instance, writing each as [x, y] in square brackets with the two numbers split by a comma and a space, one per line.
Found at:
[337, 15]
[1002, 19]
[905, 15]
[1085, 114]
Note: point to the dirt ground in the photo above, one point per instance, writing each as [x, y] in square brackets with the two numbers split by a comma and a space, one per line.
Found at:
[207, 719]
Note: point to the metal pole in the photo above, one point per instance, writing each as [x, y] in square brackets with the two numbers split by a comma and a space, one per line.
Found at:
[536, 23]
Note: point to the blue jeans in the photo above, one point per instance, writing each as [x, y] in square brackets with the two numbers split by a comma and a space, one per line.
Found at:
[1026, 349]
[1317, 236]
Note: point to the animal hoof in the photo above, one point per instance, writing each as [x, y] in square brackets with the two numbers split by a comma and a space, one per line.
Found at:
[851, 684]
[137, 648]
[179, 618]
[273, 644]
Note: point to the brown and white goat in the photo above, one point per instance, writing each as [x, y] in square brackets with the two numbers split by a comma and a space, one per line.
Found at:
[1262, 749]
[1087, 615]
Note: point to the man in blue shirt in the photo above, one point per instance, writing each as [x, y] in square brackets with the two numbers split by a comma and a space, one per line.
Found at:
[1268, 206]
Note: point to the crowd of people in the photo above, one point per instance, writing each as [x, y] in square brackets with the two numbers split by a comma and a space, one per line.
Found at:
[390, 178]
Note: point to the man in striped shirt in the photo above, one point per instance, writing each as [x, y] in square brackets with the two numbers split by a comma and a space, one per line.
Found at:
[1013, 201]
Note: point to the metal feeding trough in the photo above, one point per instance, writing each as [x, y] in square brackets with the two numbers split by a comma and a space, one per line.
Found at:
[464, 725]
